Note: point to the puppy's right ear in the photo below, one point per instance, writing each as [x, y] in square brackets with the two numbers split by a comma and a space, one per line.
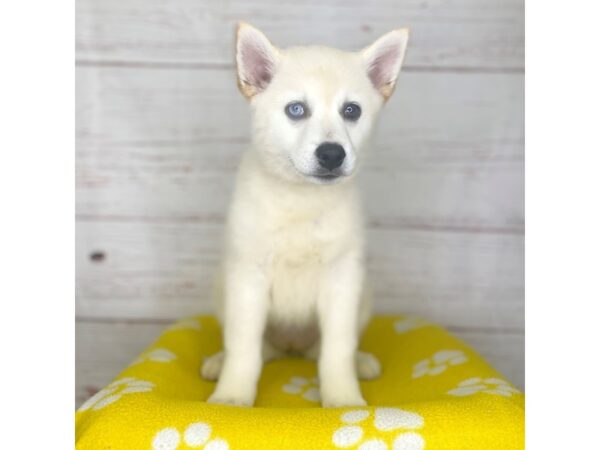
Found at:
[256, 60]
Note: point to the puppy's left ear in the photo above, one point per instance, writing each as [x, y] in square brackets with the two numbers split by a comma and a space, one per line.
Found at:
[384, 58]
[256, 60]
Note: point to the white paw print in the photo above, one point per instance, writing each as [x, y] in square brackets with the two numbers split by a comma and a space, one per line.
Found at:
[392, 427]
[307, 387]
[438, 363]
[114, 391]
[409, 323]
[195, 435]
[161, 355]
[186, 324]
[474, 385]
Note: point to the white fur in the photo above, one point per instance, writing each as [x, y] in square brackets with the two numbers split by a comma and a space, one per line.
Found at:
[293, 269]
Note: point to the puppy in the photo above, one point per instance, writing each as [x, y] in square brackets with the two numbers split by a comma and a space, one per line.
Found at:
[293, 275]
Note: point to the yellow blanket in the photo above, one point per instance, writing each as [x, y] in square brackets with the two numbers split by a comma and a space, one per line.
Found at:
[435, 393]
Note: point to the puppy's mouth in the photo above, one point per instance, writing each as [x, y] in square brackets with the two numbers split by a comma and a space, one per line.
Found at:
[326, 178]
[321, 176]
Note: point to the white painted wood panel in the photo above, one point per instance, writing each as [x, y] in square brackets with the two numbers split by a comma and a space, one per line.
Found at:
[161, 126]
[486, 34]
[165, 270]
[105, 348]
[159, 143]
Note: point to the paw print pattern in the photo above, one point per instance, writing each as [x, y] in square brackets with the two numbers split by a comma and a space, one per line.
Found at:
[196, 435]
[115, 391]
[438, 363]
[494, 386]
[161, 355]
[409, 323]
[307, 387]
[186, 324]
[393, 430]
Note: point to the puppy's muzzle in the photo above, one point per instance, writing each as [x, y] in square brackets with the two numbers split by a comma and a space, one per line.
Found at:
[330, 155]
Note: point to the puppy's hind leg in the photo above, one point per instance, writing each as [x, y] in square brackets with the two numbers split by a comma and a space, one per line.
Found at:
[211, 366]
[368, 366]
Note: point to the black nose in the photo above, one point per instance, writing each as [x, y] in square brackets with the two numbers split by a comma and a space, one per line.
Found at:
[330, 155]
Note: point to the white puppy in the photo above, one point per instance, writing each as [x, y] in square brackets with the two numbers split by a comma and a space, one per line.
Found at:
[293, 271]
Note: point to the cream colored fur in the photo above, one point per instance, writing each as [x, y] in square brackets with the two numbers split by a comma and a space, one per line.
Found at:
[293, 269]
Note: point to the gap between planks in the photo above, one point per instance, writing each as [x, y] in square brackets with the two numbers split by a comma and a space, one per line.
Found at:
[229, 67]
[378, 224]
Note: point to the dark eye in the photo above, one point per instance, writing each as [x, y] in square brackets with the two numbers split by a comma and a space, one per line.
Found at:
[296, 110]
[351, 111]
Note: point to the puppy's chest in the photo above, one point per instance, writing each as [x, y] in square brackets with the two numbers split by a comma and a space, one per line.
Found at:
[301, 249]
[298, 242]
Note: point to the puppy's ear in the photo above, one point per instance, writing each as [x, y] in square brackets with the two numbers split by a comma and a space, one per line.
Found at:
[256, 60]
[383, 59]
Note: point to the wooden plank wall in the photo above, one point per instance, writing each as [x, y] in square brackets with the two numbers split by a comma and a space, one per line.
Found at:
[161, 126]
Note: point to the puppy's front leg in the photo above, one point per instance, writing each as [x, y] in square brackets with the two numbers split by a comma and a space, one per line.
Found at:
[339, 297]
[245, 315]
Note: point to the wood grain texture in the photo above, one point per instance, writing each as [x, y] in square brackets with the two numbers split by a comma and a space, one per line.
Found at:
[161, 126]
[159, 144]
[105, 348]
[463, 34]
[165, 270]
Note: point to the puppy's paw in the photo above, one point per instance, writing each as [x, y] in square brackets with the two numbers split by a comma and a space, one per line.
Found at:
[367, 366]
[211, 367]
[221, 399]
[342, 401]
[337, 393]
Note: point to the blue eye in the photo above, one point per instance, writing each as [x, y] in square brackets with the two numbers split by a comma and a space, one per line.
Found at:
[351, 111]
[296, 110]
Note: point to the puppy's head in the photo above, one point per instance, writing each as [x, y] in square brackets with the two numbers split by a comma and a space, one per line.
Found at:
[314, 107]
